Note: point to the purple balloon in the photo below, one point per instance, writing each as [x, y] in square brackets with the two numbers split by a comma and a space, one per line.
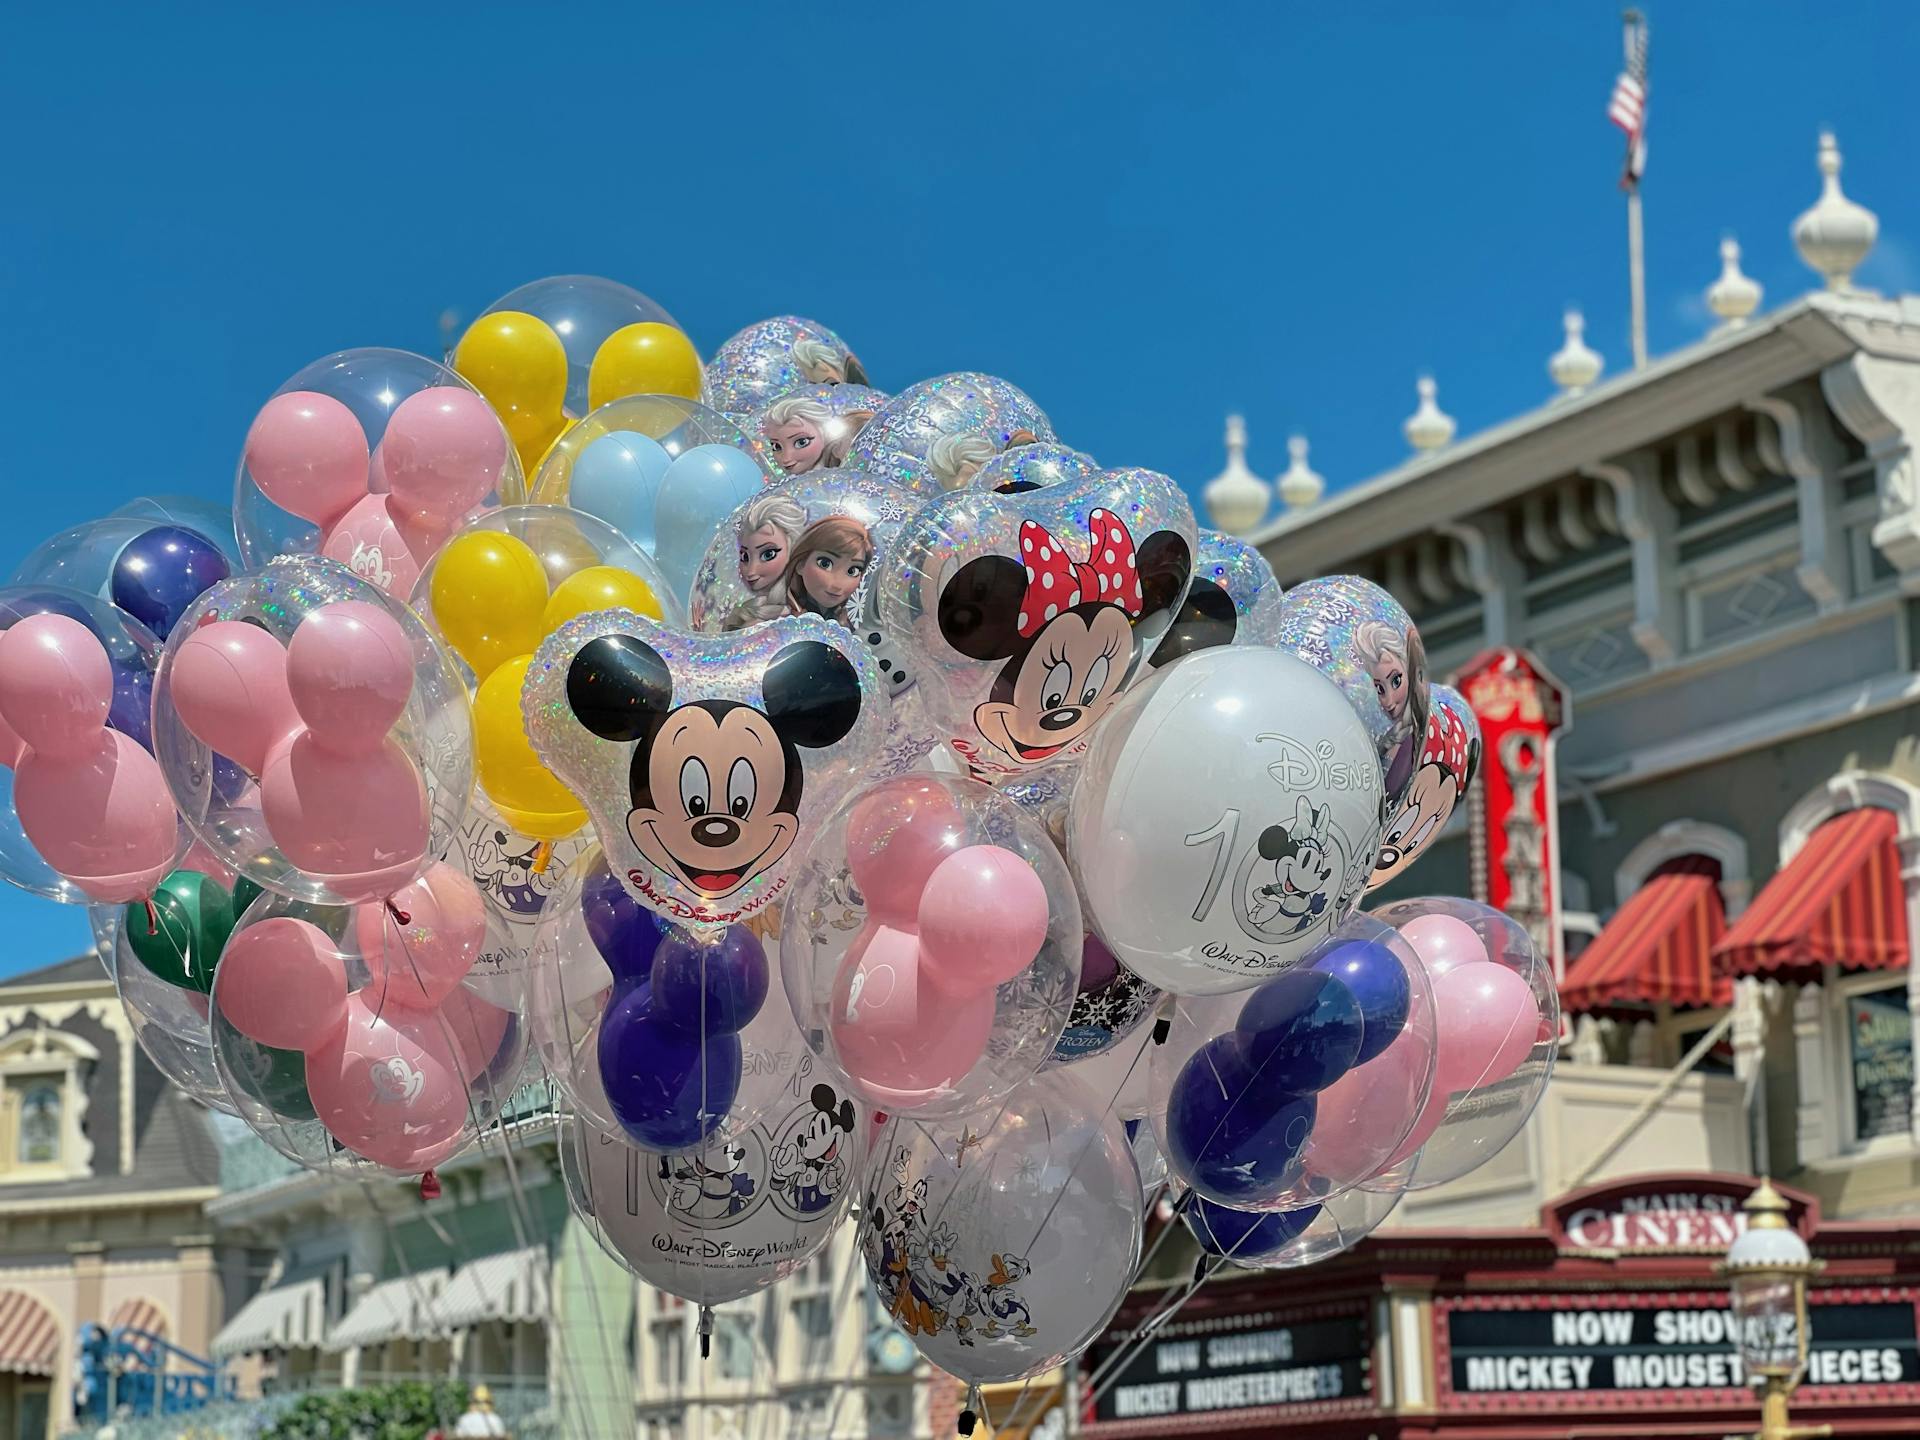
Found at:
[131, 712]
[1229, 1136]
[1097, 965]
[668, 1089]
[623, 930]
[161, 572]
[710, 987]
[1300, 1031]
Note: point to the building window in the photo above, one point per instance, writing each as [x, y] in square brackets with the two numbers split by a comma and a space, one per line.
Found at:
[39, 1124]
[733, 1344]
[813, 1331]
[1879, 1053]
[669, 1351]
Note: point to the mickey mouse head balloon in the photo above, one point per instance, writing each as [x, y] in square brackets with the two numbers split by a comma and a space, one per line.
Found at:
[1036, 609]
[703, 758]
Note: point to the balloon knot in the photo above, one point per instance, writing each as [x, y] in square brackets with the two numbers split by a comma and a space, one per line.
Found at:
[542, 857]
[153, 916]
[430, 1186]
[400, 916]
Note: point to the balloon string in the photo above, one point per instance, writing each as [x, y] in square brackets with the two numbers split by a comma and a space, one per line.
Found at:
[398, 914]
[153, 916]
[542, 857]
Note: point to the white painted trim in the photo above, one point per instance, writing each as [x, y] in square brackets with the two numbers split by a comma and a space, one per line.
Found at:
[1689, 837]
[1849, 790]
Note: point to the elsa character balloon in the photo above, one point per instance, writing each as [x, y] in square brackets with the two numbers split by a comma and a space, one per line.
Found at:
[957, 458]
[828, 564]
[1397, 662]
[766, 533]
[802, 434]
[825, 364]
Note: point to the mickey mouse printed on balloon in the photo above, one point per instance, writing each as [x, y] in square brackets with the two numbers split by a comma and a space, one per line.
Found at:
[703, 759]
[1449, 760]
[1035, 609]
[1234, 600]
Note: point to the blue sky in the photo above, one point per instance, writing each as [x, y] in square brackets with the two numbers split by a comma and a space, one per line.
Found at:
[1146, 215]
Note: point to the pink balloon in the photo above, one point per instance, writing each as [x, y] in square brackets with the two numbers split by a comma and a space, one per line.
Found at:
[478, 1029]
[1442, 942]
[12, 747]
[350, 671]
[898, 1036]
[442, 452]
[983, 919]
[282, 982]
[389, 1086]
[1356, 1122]
[377, 474]
[897, 835]
[1488, 1021]
[228, 681]
[419, 961]
[357, 822]
[308, 455]
[1425, 1124]
[56, 684]
[368, 542]
[103, 818]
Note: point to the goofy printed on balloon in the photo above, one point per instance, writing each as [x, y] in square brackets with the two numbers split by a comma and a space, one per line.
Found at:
[1067, 631]
[715, 785]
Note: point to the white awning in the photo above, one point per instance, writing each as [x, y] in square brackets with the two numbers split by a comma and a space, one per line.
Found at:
[400, 1309]
[509, 1286]
[289, 1316]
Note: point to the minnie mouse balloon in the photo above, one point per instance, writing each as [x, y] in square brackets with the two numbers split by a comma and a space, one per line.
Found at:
[1225, 820]
[1359, 637]
[703, 759]
[1449, 759]
[1030, 613]
[1234, 600]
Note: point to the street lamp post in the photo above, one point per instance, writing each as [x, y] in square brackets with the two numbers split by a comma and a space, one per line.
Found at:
[1768, 1267]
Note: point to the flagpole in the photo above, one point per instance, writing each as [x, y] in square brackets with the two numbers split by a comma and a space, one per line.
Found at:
[1636, 242]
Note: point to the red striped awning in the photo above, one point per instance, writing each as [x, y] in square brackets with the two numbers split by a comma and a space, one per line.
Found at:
[1839, 902]
[29, 1335]
[1658, 947]
[139, 1313]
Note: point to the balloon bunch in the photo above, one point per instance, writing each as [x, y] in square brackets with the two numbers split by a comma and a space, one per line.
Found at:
[752, 660]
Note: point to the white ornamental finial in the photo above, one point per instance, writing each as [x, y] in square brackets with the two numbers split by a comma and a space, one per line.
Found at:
[1299, 487]
[1429, 427]
[1735, 295]
[1575, 365]
[1836, 234]
[1236, 498]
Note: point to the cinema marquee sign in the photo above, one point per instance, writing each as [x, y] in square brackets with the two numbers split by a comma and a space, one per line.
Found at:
[1248, 1362]
[1664, 1215]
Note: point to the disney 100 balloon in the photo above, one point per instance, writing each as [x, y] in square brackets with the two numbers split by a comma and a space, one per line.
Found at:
[1031, 612]
[1359, 637]
[1003, 1242]
[1234, 600]
[1449, 759]
[813, 428]
[1222, 869]
[776, 357]
[955, 424]
[729, 1219]
[703, 758]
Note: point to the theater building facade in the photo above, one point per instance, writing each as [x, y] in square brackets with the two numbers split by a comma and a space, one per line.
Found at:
[1709, 566]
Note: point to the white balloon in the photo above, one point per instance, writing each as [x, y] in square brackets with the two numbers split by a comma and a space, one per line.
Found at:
[1226, 820]
[1002, 1242]
[505, 865]
[731, 1219]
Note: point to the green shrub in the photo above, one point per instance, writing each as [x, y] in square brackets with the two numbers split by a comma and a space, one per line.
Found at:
[406, 1410]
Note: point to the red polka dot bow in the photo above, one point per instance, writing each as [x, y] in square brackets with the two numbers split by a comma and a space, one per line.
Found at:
[1447, 741]
[1055, 582]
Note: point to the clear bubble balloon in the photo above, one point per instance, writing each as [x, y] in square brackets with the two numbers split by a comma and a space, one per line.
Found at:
[346, 715]
[1304, 1087]
[1002, 1241]
[1225, 820]
[734, 1216]
[1497, 1018]
[372, 458]
[172, 1024]
[211, 518]
[134, 653]
[152, 570]
[350, 1030]
[931, 945]
[776, 357]
[1290, 1239]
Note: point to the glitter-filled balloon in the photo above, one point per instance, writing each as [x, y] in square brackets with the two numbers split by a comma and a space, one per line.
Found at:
[1234, 600]
[813, 428]
[1360, 637]
[1449, 759]
[955, 424]
[771, 358]
[1028, 467]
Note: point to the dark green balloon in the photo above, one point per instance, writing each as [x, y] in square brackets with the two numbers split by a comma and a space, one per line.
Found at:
[276, 1079]
[183, 937]
[245, 892]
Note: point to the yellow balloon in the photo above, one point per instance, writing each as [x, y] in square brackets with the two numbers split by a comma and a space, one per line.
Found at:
[488, 594]
[519, 364]
[644, 359]
[599, 587]
[528, 795]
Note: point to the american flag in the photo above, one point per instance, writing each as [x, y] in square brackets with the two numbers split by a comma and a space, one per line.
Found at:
[1628, 107]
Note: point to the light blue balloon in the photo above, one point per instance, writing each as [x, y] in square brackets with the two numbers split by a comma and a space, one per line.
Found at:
[700, 490]
[617, 479]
